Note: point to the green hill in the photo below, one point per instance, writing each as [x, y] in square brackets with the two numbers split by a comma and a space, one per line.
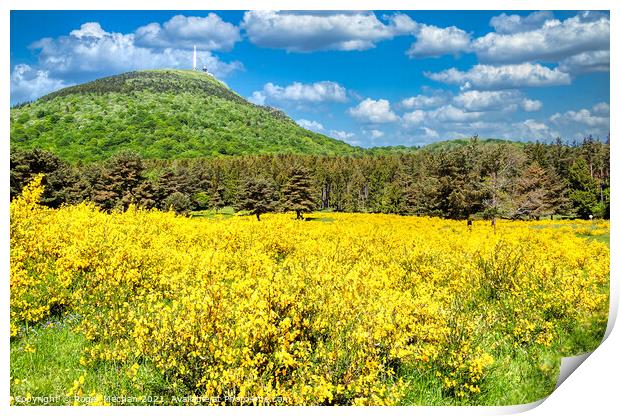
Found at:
[451, 144]
[162, 114]
[441, 145]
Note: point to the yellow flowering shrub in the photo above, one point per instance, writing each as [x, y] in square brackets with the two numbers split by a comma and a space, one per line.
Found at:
[311, 312]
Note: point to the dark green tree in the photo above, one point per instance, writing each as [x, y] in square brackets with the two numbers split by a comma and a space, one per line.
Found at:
[560, 157]
[69, 185]
[176, 179]
[557, 195]
[114, 185]
[297, 193]
[257, 196]
[145, 195]
[531, 194]
[538, 192]
[178, 202]
[596, 156]
[537, 152]
[404, 195]
[583, 190]
[501, 166]
[460, 182]
[58, 175]
[216, 198]
[200, 200]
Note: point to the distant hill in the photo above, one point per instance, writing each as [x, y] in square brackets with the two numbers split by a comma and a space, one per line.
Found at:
[440, 145]
[450, 144]
[161, 114]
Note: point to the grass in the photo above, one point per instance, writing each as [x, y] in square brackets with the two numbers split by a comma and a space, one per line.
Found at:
[425, 388]
[228, 212]
[223, 213]
[603, 238]
[45, 364]
[46, 361]
[517, 378]
[521, 378]
[319, 219]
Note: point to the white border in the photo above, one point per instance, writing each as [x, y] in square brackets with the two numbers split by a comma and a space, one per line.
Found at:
[591, 389]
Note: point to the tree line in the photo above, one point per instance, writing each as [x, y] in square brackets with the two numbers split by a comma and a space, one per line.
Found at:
[477, 179]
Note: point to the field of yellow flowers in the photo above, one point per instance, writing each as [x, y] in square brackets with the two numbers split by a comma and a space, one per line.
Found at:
[345, 309]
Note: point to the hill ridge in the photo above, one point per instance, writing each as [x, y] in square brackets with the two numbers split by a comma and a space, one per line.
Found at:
[160, 114]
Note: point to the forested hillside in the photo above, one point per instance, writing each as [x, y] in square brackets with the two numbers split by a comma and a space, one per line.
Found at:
[161, 114]
[486, 180]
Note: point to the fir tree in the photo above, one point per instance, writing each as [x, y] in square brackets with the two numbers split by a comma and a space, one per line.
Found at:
[115, 183]
[501, 166]
[557, 196]
[58, 175]
[535, 193]
[145, 195]
[216, 200]
[178, 202]
[257, 196]
[583, 191]
[297, 192]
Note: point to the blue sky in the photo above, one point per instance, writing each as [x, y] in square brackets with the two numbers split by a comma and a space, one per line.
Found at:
[369, 78]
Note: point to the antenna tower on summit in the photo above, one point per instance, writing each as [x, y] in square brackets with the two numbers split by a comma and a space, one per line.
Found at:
[195, 66]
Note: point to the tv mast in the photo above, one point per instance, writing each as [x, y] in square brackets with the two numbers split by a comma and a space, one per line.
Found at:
[194, 67]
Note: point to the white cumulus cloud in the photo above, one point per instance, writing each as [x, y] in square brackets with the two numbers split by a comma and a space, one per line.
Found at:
[310, 125]
[450, 113]
[450, 121]
[553, 41]
[433, 41]
[515, 23]
[28, 84]
[373, 111]
[430, 133]
[414, 117]
[258, 97]
[502, 77]
[92, 50]
[601, 109]
[475, 100]
[373, 133]
[305, 31]
[345, 136]
[424, 101]
[587, 117]
[593, 61]
[579, 43]
[445, 114]
[322, 91]
[533, 130]
[89, 30]
[376, 134]
[182, 32]
[531, 105]
[501, 100]
[342, 135]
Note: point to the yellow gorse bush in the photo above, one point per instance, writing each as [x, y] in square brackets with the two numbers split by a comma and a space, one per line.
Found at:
[318, 312]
